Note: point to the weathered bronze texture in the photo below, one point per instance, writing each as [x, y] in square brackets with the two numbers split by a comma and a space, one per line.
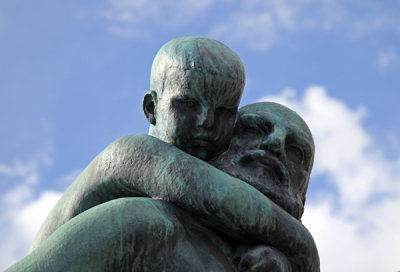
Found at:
[210, 189]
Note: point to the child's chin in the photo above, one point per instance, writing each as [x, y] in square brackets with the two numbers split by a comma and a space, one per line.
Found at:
[200, 153]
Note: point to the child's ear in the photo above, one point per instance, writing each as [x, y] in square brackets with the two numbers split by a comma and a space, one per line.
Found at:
[149, 105]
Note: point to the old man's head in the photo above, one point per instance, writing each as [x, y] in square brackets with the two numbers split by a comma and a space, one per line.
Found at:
[273, 150]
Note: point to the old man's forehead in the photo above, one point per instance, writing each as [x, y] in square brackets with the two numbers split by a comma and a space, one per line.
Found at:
[267, 113]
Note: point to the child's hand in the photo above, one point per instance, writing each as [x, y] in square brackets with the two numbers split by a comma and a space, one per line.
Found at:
[260, 259]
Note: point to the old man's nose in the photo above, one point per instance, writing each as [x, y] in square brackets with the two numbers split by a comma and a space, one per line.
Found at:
[274, 143]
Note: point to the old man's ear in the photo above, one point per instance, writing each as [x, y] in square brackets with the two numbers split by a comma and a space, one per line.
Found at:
[149, 103]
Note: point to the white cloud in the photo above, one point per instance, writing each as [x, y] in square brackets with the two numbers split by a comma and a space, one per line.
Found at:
[344, 245]
[257, 24]
[355, 227]
[66, 180]
[28, 170]
[260, 24]
[21, 210]
[370, 16]
[386, 59]
[359, 28]
[31, 214]
[286, 17]
[18, 170]
[258, 30]
[141, 19]
[22, 215]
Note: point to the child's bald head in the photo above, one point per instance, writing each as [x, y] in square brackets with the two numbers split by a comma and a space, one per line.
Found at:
[214, 60]
[196, 85]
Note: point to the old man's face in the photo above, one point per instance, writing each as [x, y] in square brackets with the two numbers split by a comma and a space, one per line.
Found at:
[272, 150]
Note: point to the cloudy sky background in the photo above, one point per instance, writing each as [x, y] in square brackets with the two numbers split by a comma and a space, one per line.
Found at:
[73, 73]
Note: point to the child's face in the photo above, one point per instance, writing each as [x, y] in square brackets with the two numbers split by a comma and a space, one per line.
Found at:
[272, 150]
[196, 112]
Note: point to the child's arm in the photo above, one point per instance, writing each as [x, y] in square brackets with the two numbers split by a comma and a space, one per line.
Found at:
[129, 234]
[140, 165]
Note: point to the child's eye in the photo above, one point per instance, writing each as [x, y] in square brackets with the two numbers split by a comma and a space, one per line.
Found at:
[186, 103]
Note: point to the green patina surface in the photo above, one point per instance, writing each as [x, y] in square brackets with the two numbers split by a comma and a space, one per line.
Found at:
[153, 203]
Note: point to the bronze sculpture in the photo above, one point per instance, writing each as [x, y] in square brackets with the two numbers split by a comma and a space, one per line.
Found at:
[212, 221]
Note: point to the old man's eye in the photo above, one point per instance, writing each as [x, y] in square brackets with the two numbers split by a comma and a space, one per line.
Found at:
[251, 131]
[295, 154]
[225, 111]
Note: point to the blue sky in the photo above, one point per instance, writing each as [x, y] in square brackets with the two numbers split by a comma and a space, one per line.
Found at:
[73, 74]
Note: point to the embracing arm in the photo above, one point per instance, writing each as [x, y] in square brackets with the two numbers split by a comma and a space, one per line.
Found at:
[140, 165]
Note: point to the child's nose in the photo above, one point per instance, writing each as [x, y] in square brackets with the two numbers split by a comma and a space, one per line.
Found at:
[206, 118]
